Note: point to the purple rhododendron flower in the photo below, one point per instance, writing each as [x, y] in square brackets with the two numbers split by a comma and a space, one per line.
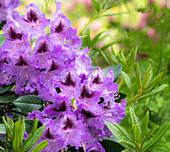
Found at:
[78, 99]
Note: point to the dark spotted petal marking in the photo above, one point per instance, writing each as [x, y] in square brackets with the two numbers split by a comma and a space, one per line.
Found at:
[60, 27]
[21, 62]
[13, 35]
[48, 134]
[69, 81]
[53, 66]
[85, 93]
[97, 80]
[43, 47]
[88, 114]
[68, 124]
[32, 16]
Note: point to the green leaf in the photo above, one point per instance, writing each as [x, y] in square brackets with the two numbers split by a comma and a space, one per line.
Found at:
[144, 126]
[33, 130]
[150, 133]
[152, 84]
[106, 15]
[147, 77]
[9, 132]
[40, 146]
[28, 103]
[111, 144]
[22, 129]
[138, 76]
[34, 139]
[119, 134]
[2, 39]
[107, 45]
[2, 129]
[113, 59]
[17, 136]
[127, 80]
[135, 122]
[7, 98]
[96, 5]
[157, 136]
[153, 91]
[114, 4]
[105, 57]
[128, 145]
[10, 122]
[104, 4]
[6, 88]
[116, 69]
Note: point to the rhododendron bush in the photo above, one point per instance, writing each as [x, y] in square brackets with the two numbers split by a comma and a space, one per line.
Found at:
[52, 95]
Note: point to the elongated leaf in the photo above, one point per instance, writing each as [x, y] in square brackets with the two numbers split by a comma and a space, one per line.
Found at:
[28, 103]
[135, 121]
[128, 145]
[2, 129]
[33, 130]
[22, 129]
[34, 139]
[138, 76]
[10, 122]
[147, 77]
[114, 4]
[104, 4]
[104, 56]
[157, 136]
[106, 15]
[17, 136]
[153, 91]
[150, 133]
[144, 125]
[113, 59]
[153, 83]
[8, 98]
[127, 80]
[117, 133]
[9, 132]
[40, 146]
[96, 5]
[6, 88]
[107, 45]
[96, 38]
[116, 69]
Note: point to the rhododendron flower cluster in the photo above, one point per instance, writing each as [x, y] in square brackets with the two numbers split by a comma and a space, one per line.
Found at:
[79, 98]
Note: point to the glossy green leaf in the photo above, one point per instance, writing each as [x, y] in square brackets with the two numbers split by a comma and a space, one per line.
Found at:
[33, 130]
[135, 122]
[34, 139]
[127, 80]
[96, 5]
[138, 76]
[28, 103]
[2, 129]
[116, 69]
[150, 133]
[144, 126]
[128, 145]
[117, 132]
[17, 136]
[9, 132]
[157, 136]
[40, 146]
[153, 83]
[147, 77]
[4, 89]
[7, 98]
[153, 91]
[114, 4]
